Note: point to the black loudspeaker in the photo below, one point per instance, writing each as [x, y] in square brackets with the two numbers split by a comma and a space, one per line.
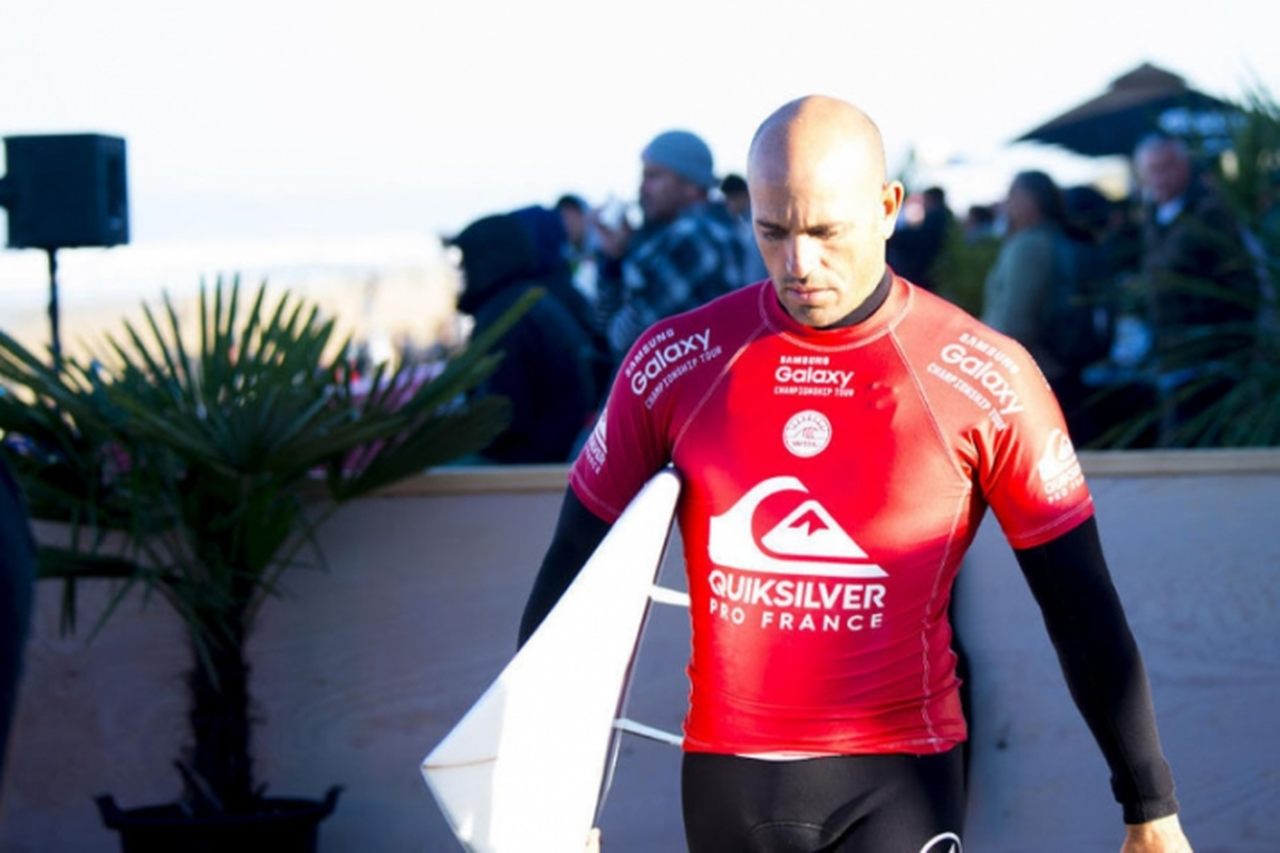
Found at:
[65, 191]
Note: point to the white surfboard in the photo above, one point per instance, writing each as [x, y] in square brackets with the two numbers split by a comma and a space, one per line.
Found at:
[522, 771]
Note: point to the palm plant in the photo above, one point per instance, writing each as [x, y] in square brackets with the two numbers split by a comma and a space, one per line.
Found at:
[197, 469]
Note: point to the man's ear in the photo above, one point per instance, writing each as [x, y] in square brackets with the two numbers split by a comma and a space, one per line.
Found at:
[890, 205]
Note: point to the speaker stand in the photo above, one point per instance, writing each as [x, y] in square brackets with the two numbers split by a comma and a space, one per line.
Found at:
[55, 344]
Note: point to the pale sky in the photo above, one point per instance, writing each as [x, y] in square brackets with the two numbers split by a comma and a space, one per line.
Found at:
[253, 118]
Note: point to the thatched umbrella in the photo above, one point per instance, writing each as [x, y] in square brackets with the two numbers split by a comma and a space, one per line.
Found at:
[1146, 100]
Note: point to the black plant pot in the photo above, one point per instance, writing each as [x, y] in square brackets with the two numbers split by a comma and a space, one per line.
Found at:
[283, 826]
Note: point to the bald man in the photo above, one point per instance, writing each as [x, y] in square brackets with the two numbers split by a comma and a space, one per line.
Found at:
[840, 434]
[1190, 238]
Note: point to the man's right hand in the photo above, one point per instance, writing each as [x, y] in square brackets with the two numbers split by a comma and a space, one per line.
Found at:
[611, 240]
[593, 841]
[1163, 835]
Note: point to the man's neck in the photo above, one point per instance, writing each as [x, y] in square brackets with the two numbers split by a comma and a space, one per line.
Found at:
[652, 224]
[868, 306]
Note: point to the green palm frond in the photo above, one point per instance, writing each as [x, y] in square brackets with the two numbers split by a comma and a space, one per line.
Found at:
[191, 462]
[199, 449]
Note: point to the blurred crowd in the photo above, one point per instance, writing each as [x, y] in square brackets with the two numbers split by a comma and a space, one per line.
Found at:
[1136, 309]
[607, 274]
[1139, 310]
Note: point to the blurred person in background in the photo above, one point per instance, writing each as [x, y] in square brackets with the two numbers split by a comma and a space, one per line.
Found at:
[1269, 215]
[919, 239]
[547, 368]
[579, 245]
[1269, 240]
[17, 579]
[980, 223]
[1017, 287]
[737, 203]
[1199, 280]
[1039, 291]
[681, 257]
[552, 234]
[737, 198]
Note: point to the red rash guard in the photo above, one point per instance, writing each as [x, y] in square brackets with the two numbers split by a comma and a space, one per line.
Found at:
[832, 483]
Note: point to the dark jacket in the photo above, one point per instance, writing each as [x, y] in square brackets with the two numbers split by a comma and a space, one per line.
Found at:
[17, 578]
[547, 368]
[1185, 260]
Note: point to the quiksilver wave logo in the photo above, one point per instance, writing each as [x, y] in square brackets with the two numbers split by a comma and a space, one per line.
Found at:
[1058, 467]
[805, 574]
[808, 541]
[667, 356]
[985, 373]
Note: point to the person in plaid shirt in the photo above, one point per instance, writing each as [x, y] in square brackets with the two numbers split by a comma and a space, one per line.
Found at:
[686, 253]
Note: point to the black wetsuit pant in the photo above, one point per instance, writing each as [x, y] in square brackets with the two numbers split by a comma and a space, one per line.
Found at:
[863, 803]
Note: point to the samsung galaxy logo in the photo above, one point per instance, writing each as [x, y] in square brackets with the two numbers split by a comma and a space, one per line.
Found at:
[813, 376]
[665, 357]
[984, 371]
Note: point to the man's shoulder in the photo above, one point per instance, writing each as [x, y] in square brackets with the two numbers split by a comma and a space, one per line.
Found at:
[926, 310]
[659, 241]
[699, 222]
[1032, 244]
[735, 315]
[974, 380]
[685, 351]
[743, 307]
[1205, 207]
[936, 330]
[553, 311]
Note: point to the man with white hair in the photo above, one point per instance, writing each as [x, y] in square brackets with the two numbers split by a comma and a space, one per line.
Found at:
[1198, 276]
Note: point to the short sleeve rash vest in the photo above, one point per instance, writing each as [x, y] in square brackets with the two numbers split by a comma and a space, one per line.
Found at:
[833, 479]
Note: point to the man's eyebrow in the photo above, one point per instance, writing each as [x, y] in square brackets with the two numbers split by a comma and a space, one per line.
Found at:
[808, 229]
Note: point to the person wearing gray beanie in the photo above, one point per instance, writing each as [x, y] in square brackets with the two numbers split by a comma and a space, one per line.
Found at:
[683, 153]
[687, 252]
[678, 172]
